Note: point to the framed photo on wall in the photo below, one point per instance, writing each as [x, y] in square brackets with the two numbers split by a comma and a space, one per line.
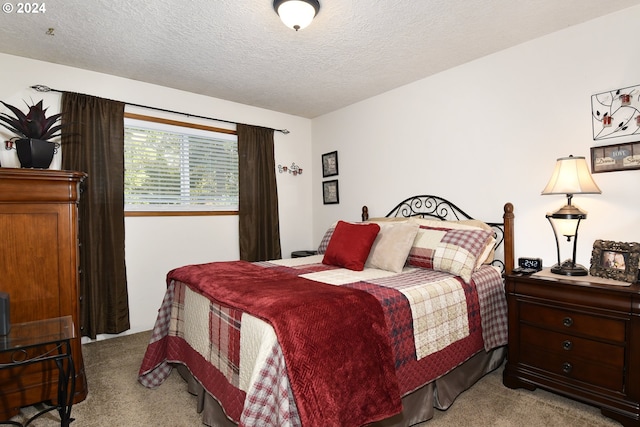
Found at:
[330, 164]
[615, 260]
[330, 192]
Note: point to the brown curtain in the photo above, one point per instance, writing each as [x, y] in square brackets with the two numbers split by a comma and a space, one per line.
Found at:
[93, 142]
[258, 206]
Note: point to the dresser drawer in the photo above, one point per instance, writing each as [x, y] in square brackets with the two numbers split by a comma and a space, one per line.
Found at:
[573, 322]
[569, 346]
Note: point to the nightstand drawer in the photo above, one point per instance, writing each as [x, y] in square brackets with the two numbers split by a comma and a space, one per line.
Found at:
[569, 346]
[573, 368]
[573, 322]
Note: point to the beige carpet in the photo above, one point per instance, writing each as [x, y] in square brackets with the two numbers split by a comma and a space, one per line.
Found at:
[117, 399]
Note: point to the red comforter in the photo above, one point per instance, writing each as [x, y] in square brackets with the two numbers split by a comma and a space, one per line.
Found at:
[303, 313]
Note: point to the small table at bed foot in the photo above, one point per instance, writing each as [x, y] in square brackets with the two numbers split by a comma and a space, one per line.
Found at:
[38, 342]
[65, 419]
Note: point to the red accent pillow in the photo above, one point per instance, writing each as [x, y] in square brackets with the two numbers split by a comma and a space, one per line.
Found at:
[350, 245]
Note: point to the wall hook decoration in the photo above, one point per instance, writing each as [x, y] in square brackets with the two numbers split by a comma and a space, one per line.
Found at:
[294, 169]
[615, 113]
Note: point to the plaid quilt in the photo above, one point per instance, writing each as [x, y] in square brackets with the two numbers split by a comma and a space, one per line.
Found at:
[436, 321]
[211, 353]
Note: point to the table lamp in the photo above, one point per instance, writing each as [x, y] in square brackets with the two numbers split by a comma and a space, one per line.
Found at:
[571, 176]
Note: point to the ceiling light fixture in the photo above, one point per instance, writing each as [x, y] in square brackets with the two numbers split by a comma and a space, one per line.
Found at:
[296, 14]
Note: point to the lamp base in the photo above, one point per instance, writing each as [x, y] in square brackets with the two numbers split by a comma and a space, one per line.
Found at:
[569, 268]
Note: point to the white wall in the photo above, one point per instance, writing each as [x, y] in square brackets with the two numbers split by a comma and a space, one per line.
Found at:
[489, 132]
[156, 245]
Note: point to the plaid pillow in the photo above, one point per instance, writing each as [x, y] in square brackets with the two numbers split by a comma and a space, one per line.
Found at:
[453, 251]
[325, 240]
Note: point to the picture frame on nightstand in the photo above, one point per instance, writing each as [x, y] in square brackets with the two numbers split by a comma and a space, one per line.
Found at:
[615, 260]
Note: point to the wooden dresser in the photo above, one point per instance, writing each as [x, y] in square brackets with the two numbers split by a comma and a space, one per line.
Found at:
[576, 337]
[39, 271]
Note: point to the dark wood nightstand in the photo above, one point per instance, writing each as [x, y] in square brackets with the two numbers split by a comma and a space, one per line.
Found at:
[300, 254]
[576, 337]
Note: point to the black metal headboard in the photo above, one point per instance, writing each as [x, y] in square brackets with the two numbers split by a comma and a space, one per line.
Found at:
[427, 206]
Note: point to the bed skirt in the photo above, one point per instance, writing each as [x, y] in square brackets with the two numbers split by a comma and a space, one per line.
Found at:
[418, 406]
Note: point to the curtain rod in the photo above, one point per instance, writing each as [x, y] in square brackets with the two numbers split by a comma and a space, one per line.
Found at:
[43, 88]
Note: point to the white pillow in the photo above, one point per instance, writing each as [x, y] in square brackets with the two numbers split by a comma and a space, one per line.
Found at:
[392, 245]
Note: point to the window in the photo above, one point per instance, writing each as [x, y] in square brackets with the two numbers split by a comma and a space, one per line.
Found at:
[170, 167]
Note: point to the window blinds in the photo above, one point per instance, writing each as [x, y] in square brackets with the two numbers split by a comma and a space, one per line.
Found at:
[171, 168]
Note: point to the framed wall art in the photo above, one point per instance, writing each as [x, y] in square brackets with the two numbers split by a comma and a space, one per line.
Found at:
[616, 113]
[615, 260]
[330, 164]
[330, 193]
[618, 157]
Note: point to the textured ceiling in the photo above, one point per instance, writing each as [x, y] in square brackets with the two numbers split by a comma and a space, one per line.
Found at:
[239, 50]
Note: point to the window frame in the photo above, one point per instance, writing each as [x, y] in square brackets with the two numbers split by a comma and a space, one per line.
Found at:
[159, 213]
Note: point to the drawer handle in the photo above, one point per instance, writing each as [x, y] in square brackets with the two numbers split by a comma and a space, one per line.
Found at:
[567, 321]
[567, 367]
[566, 345]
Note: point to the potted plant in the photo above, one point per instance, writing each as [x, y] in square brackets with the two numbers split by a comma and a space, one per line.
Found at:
[34, 130]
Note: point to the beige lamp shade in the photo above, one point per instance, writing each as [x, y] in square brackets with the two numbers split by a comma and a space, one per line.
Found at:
[571, 176]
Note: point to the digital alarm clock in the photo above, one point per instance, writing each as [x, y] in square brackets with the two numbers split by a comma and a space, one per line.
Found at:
[528, 265]
[535, 263]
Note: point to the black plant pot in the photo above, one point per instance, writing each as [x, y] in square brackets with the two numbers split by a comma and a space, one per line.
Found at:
[35, 153]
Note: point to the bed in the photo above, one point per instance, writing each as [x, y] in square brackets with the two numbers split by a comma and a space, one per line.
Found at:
[394, 317]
